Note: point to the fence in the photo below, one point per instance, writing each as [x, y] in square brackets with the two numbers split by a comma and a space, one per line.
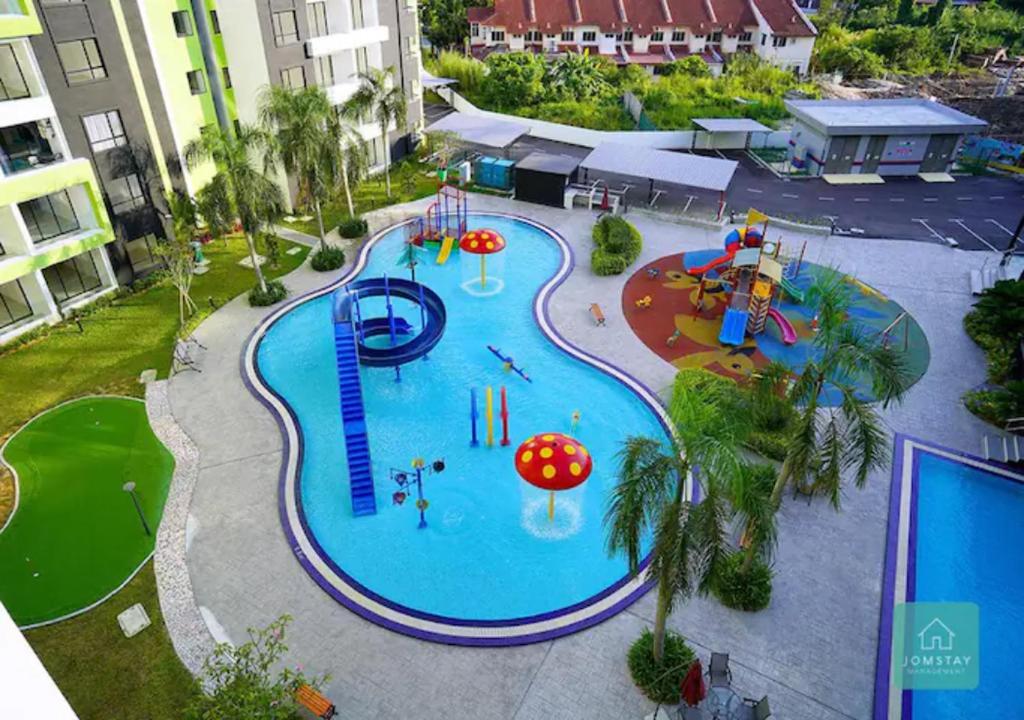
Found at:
[658, 139]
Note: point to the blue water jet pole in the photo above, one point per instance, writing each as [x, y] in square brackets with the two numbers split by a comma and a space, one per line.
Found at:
[474, 414]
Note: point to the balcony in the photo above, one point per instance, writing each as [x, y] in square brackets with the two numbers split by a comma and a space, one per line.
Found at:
[23, 94]
[28, 146]
[18, 18]
[338, 41]
[339, 93]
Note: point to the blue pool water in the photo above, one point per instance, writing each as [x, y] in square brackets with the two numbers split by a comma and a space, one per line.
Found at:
[489, 552]
[970, 535]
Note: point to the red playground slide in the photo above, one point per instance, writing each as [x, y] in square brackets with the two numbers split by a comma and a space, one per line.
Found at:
[720, 260]
[785, 327]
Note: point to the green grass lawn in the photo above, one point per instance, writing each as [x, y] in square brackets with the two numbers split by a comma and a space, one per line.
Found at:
[76, 536]
[106, 676]
[409, 181]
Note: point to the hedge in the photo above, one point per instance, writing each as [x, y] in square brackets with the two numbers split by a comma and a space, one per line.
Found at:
[617, 245]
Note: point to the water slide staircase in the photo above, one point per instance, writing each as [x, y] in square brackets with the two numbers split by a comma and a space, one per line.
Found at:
[353, 421]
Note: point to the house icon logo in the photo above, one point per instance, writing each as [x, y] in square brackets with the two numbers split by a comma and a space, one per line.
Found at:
[936, 635]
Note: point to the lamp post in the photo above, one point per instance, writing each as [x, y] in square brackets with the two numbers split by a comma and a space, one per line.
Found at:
[129, 487]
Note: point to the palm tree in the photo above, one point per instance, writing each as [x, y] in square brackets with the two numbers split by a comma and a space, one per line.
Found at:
[828, 440]
[750, 498]
[243, 190]
[579, 75]
[689, 541]
[379, 97]
[312, 142]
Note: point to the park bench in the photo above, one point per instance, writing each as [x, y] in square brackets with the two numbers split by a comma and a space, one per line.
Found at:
[316, 703]
[595, 310]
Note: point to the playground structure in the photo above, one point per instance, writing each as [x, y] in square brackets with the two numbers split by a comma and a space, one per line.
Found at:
[474, 415]
[509, 363]
[754, 273]
[445, 221]
[553, 462]
[405, 483]
[482, 242]
[351, 331]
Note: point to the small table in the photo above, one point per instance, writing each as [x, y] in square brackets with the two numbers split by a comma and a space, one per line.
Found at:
[723, 703]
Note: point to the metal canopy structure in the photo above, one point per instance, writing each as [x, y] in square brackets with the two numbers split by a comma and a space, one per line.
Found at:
[479, 130]
[430, 81]
[731, 125]
[662, 166]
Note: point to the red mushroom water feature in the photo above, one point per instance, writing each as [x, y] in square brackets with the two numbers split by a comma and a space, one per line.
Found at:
[482, 243]
[553, 462]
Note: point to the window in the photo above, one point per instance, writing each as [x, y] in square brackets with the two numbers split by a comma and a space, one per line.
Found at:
[286, 31]
[215, 22]
[14, 305]
[196, 82]
[317, 19]
[533, 36]
[589, 36]
[104, 130]
[81, 61]
[678, 36]
[358, 16]
[182, 23]
[142, 253]
[715, 37]
[412, 44]
[324, 67]
[497, 36]
[12, 80]
[627, 36]
[474, 30]
[657, 36]
[226, 74]
[49, 216]
[568, 35]
[779, 42]
[746, 37]
[72, 278]
[362, 60]
[125, 193]
[293, 78]
[764, 39]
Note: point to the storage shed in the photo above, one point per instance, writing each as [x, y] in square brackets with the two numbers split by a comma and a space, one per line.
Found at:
[543, 178]
[905, 136]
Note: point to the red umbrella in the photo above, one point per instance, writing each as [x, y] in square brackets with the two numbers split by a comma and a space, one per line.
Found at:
[692, 687]
[605, 204]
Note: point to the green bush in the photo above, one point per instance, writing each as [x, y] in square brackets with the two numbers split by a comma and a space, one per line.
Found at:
[768, 443]
[659, 681]
[999, 405]
[750, 591]
[467, 70]
[276, 292]
[352, 227]
[327, 258]
[617, 244]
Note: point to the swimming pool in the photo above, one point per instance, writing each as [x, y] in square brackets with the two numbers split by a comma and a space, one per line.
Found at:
[955, 534]
[490, 568]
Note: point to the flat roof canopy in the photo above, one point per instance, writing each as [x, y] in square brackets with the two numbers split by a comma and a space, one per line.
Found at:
[662, 166]
[430, 80]
[899, 116]
[730, 125]
[547, 163]
[480, 130]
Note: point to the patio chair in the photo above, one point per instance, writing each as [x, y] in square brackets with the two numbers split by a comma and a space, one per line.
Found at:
[719, 674]
[757, 709]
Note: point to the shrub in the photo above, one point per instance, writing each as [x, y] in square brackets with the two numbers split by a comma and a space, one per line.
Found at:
[750, 591]
[468, 71]
[352, 227]
[617, 245]
[999, 405]
[659, 681]
[276, 292]
[327, 258]
[605, 263]
[768, 443]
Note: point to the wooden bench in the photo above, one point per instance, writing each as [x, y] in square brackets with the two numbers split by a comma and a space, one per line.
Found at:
[316, 703]
[598, 315]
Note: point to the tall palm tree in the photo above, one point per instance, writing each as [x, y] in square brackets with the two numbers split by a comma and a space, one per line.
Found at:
[244, 189]
[312, 142]
[750, 498]
[379, 97]
[828, 440]
[689, 540]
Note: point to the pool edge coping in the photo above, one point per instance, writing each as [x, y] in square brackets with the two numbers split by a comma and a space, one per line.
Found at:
[385, 613]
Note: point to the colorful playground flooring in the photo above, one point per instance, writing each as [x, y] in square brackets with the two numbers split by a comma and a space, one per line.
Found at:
[661, 308]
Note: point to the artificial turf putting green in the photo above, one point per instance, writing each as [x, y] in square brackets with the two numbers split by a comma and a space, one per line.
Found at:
[75, 536]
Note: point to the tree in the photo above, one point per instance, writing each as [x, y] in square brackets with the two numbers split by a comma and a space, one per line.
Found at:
[444, 22]
[177, 252]
[244, 190]
[750, 498]
[243, 682]
[690, 66]
[311, 142]
[379, 97]
[828, 440]
[580, 76]
[215, 208]
[689, 544]
[514, 79]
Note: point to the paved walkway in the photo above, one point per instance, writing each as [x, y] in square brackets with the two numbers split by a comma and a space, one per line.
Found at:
[812, 651]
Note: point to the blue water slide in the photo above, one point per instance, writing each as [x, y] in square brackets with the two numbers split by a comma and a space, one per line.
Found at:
[734, 327]
[353, 421]
[431, 305]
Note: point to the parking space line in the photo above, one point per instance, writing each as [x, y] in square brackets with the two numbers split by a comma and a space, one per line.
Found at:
[755, 190]
[990, 246]
[965, 198]
[1002, 227]
[862, 199]
[791, 196]
[996, 197]
[827, 199]
[896, 200]
[930, 229]
[930, 199]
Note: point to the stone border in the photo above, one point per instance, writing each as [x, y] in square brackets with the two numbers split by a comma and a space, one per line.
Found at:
[189, 634]
[899, 573]
[377, 609]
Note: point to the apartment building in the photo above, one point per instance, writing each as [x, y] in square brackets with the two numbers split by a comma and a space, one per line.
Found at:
[648, 32]
[295, 43]
[53, 223]
[133, 82]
